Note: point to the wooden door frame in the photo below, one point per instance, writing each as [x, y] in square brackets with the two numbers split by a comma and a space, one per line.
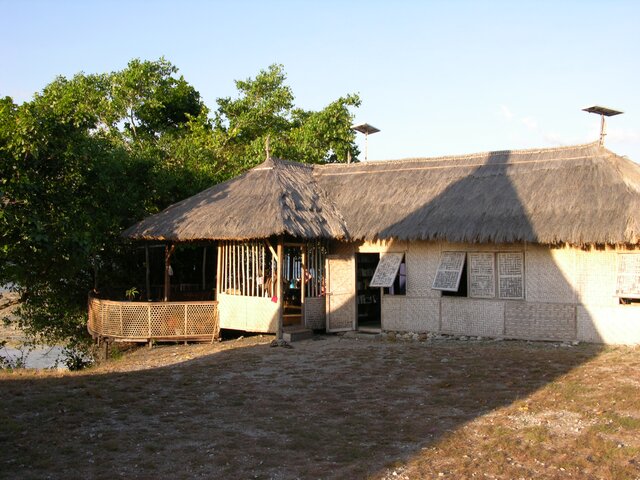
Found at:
[328, 292]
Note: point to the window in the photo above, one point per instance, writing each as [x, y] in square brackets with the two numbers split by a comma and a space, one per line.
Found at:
[449, 271]
[399, 286]
[481, 275]
[510, 275]
[462, 286]
[391, 274]
[628, 279]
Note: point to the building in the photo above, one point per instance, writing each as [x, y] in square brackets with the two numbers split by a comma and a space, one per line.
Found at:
[533, 244]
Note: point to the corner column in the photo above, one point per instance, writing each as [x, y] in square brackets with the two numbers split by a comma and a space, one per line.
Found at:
[279, 289]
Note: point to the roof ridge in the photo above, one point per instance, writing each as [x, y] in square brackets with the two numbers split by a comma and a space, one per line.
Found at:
[466, 156]
[282, 192]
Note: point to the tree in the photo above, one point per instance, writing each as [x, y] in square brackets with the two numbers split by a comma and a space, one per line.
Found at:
[264, 111]
[89, 156]
[80, 162]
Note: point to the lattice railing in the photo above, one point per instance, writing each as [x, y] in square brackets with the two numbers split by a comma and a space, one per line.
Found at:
[146, 321]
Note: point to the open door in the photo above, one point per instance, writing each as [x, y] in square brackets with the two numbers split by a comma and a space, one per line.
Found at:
[341, 291]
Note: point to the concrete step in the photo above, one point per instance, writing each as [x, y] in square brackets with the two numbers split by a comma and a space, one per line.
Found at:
[362, 335]
[296, 334]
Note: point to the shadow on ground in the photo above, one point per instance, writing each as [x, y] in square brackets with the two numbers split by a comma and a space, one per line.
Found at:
[333, 408]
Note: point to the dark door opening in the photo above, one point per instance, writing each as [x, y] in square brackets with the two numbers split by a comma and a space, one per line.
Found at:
[367, 298]
[292, 285]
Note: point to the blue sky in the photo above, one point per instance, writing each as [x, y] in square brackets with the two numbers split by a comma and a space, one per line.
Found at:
[437, 78]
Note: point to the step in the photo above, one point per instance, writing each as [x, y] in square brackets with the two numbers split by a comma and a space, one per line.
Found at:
[294, 335]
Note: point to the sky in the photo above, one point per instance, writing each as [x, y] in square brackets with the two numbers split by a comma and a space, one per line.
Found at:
[436, 77]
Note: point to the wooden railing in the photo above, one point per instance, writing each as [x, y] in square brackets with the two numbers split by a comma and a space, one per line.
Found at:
[153, 321]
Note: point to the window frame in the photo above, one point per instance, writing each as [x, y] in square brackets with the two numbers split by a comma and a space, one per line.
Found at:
[497, 276]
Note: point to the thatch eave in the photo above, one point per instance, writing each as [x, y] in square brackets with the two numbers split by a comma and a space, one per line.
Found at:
[581, 195]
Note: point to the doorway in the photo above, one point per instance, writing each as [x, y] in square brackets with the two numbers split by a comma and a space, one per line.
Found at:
[368, 299]
[292, 285]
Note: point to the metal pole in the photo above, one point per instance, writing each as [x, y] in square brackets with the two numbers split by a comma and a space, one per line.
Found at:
[603, 130]
[366, 146]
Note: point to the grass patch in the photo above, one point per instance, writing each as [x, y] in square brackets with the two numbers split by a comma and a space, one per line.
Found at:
[331, 409]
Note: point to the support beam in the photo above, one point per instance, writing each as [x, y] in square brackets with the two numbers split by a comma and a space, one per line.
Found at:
[204, 268]
[279, 290]
[147, 277]
[218, 271]
[303, 284]
[168, 251]
[273, 252]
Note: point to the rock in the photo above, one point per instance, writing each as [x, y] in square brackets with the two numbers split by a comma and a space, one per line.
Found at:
[392, 335]
[280, 343]
[444, 360]
[463, 338]
[422, 337]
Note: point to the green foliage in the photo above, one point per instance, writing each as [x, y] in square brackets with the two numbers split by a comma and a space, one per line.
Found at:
[91, 155]
[264, 111]
[131, 293]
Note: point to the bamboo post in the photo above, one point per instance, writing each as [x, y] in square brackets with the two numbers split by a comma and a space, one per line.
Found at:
[147, 272]
[184, 332]
[233, 262]
[254, 277]
[263, 255]
[149, 323]
[279, 290]
[218, 271]
[225, 267]
[303, 283]
[204, 267]
[168, 251]
[245, 269]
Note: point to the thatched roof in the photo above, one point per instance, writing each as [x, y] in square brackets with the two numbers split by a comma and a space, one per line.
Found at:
[579, 195]
[276, 197]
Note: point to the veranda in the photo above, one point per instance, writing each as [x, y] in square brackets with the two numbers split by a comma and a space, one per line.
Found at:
[251, 293]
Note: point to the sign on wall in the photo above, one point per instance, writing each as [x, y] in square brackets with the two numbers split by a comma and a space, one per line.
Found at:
[628, 284]
[449, 271]
[482, 275]
[386, 270]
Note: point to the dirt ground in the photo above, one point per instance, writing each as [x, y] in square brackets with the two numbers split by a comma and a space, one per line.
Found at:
[331, 407]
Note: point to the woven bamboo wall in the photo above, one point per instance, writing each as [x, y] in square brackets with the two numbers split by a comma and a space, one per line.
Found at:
[596, 277]
[422, 263]
[615, 325]
[410, 314]
[550, 274]
[540, 321]
[252, 314]
[315, 312]
[569, 295]
[145, 321]
[467, 316]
